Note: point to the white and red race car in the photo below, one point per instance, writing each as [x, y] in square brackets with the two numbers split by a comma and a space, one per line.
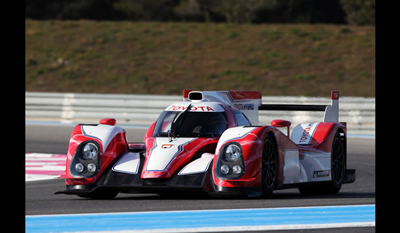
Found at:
[212, 142]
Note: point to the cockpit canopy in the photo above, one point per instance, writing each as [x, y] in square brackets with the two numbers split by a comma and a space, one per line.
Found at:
[190, 124]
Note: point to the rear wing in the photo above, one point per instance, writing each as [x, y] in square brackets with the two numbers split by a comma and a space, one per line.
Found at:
[331, 111]
[247, 102]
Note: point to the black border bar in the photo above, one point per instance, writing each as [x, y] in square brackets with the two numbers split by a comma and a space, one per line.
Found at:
[292, 107]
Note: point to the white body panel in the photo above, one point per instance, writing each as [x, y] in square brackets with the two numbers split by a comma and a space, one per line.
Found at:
[317, 165]
[332, 111]
[303, 133]
[233, 133]
[199, 165]
[164, 151]
[105, 133]
[128, 163]
[312, 167]
[291, 168]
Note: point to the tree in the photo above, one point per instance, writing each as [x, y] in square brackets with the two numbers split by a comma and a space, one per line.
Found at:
[359, 12]
[234, 11]
[161, 10]
[72, 9]
[189, 10]
[299, 11]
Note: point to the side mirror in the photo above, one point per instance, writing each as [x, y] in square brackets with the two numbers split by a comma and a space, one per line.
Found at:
[108, 121]
[281, 123]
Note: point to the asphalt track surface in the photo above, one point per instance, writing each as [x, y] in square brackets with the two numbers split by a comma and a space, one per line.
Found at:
[40, 198]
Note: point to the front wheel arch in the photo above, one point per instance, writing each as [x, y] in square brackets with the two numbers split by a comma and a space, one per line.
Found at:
[269, 165]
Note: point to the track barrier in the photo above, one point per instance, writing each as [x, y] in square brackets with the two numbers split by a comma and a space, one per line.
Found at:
[358, 112]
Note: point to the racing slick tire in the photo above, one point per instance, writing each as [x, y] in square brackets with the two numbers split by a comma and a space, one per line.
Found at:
[269, 168]
[338, 170]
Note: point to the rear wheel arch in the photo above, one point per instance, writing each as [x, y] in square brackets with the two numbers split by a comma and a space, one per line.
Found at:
[338, 168]
[339, 153]
[343, 137]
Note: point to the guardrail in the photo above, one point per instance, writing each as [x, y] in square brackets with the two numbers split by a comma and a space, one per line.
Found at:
[358, 112]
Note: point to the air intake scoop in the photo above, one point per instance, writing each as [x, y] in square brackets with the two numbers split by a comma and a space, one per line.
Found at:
[195, 95]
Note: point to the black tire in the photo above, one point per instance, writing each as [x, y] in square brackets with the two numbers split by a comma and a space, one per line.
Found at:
[338, 163]
[100, 194]
[269, 169]
[338, 170]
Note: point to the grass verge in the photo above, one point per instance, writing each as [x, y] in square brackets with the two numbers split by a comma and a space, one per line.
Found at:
[164, 58]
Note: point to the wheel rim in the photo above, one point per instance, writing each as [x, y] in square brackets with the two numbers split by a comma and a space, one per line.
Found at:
[269, 165]
[338, 162]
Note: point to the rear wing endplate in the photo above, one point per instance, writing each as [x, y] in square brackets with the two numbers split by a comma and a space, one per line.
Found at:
[331, 111]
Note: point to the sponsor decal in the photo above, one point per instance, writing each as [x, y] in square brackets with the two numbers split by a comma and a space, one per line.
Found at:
[244, 106]
[306, 134]
[318, 174]
[303, 134]
[166, 146]
[193, 108]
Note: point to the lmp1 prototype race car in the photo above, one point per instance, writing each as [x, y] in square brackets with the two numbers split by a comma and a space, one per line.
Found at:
[212, 142]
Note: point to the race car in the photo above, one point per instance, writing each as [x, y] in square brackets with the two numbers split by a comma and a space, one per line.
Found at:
[212, 142]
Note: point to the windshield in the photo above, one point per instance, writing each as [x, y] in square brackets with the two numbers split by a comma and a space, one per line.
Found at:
[192, 124]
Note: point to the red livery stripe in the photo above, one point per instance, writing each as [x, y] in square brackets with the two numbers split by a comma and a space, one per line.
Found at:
[241, 95]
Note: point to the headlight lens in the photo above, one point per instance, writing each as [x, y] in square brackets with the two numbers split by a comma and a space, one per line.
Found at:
[79, 167]
[237, 169]
[91, 167]
[232, 153]
[90, 151]
[224, 169]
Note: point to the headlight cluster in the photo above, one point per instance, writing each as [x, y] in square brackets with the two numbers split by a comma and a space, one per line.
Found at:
[230, 164]
[233, 152]
[86, 161]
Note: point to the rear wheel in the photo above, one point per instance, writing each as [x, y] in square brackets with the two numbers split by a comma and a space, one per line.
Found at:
[338, 170]
[338, 165]
[269, 168]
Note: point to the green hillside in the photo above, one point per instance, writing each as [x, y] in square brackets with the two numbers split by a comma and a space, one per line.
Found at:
[164, 58]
